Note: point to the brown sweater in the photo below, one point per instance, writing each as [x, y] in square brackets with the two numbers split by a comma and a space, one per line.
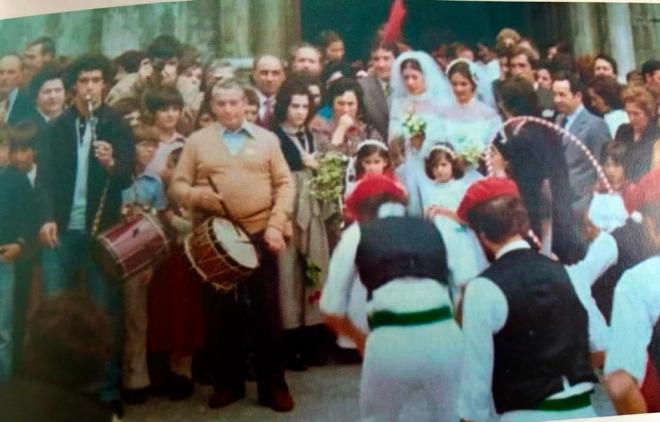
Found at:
[255, 183]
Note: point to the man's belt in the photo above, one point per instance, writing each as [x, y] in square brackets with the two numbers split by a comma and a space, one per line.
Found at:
[388, 318]
[569, 403]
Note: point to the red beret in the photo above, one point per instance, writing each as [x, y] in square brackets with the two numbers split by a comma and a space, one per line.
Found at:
[370, 186]
[483, 191]
[646, 191]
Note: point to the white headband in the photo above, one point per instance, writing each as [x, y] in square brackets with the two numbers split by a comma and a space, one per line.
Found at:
[443, 148]
[373, 142]
[470, 64]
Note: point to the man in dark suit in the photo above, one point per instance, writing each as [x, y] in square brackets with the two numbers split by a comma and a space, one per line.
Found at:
[84, 165]
[16, 105]
[589, 128]
[377, 86]
[523, 62]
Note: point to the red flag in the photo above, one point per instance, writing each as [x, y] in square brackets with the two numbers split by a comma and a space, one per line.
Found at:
[392, 30]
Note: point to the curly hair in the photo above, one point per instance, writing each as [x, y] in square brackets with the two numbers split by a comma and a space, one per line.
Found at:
[87, 63]
[608, 89]
[642, 97]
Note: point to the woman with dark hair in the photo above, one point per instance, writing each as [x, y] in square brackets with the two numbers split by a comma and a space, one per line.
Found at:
[162, 109]
[605, 97]
[175, 319]
[308, 248]
[346, 128]
[535, 161]
[469, 123]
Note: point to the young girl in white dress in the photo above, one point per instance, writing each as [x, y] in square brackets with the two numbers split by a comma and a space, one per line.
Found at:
[442, 192]
[372, 158]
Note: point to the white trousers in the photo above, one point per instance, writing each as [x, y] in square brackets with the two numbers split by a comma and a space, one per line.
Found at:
[541, 415]
[400, 360]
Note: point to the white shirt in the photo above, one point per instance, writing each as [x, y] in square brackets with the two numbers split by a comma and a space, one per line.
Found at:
[485, 311]
[78, 210]
[262, 103]
[342, 272]
[32, 174]
[11, 100]
[635, 311]
[614, 119]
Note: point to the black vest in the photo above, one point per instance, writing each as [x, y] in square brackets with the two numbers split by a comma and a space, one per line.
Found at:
[545, 336]
[394, 247]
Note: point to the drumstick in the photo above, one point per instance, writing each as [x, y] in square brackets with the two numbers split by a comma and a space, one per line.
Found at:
[225, 210]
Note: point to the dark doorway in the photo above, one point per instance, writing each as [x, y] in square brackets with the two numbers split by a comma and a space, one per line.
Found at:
[430, 22]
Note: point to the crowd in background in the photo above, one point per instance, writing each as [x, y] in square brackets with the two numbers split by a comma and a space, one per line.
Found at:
[431, 121]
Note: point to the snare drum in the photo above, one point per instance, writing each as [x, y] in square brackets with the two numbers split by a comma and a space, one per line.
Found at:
[221, 253]
[131, 246]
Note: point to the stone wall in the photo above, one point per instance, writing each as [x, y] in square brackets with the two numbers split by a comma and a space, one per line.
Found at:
[225, 28]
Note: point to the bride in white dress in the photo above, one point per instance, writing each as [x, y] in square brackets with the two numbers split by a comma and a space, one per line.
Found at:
[469, 124]
[420, 89]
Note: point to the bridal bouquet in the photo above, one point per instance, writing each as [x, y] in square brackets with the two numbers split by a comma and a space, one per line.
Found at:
[414, 125]
[327, 183]
[470, 148]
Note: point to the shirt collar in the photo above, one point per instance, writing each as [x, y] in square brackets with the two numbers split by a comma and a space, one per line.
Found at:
[263, 97]
[574, 114]
[148, 173]
[12, 95]
[46, 118]
[290, 130]
[244, 129]
[512, 246]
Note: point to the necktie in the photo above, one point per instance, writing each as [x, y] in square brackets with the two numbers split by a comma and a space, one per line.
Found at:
[268, 112]
[388, 89]
[303, 141]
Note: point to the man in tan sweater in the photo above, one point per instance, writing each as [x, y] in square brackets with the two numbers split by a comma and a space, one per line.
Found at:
[246, 164]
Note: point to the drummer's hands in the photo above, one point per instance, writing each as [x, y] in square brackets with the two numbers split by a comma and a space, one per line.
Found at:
[208, 200]
[48, 234]
[274, 240]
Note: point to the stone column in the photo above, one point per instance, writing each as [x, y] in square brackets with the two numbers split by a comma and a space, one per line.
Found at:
[621, 37]
[234, 28]
[645, 21]
[582, 28]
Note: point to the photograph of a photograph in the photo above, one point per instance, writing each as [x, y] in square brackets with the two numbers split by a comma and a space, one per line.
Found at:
[329, 210]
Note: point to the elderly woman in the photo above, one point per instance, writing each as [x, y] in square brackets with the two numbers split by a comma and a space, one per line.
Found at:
[345, 128]
[641, 134]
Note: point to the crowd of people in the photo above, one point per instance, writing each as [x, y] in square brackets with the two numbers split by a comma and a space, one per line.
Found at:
[478, 222]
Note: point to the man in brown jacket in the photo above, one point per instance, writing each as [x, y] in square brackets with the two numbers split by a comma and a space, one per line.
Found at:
[253, 179]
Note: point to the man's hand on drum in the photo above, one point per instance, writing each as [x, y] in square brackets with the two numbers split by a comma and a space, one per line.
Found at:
[274, 240]
[208, 200]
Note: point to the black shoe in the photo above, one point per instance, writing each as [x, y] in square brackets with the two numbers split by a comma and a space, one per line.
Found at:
[250, 368]
[135, 396]
[295, 362]
[315, 358]
[222, 398]
[313, 347]
[180, 387]
[117, 408]
[344, 356]
[279, 400]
